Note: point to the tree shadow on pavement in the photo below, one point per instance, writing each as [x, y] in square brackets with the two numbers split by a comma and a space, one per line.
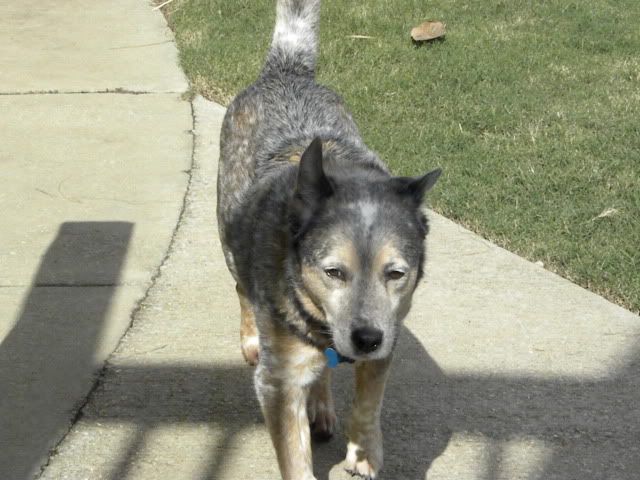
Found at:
[589, 429]
[224, 396]
[47, 359]
[583, 425]
[582, 429]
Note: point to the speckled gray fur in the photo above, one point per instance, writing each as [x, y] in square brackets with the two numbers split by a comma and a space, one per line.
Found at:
[284, 108]
[281, 113]
[295, 182]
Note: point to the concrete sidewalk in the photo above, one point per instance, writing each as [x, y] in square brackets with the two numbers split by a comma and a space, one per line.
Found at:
[95, 149]
[505, 371]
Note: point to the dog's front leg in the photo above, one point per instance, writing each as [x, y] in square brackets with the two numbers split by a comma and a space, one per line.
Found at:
[321, 410]
[364, 451]
[284, 405]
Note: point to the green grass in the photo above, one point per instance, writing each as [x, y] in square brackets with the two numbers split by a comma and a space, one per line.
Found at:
[532, 108]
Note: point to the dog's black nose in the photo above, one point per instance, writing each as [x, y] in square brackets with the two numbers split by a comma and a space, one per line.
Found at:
[366, 339]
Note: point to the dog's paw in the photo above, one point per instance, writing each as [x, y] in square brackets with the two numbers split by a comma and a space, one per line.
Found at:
[322, 419]
[250, 347]
[360, 464]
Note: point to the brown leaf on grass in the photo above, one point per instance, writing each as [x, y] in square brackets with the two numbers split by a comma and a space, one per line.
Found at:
[428, 31]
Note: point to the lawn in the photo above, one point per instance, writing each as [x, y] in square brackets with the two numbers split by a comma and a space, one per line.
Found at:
[531, 107]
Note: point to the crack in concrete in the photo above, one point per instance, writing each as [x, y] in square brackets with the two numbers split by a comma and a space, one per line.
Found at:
[100, 376]
[66, 285]
[117, 90]
[70, 285]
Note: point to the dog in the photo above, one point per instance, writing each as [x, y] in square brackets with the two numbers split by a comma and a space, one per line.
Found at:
[325, 245]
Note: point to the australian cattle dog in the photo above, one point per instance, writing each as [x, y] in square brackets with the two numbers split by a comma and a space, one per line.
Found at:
[325, 246]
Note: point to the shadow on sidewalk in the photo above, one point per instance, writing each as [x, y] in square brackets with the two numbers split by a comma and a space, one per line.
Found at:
[47, 359]
[570, 428]
[578, 427]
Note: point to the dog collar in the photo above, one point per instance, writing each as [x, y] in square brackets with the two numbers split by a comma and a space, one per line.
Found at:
[334, 358]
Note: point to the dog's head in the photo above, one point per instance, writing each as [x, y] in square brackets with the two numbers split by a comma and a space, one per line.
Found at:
[359, 244]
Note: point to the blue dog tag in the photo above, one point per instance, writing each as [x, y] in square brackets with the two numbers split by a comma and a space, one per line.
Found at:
[332, 357]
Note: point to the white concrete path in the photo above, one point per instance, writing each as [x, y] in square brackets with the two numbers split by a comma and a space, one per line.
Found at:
[95, 152]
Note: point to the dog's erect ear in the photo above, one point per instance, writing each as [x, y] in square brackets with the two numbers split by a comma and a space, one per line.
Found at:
[312, 187]
[417, 187]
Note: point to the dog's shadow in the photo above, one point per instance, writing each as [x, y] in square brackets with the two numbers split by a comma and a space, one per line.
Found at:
[414, 433]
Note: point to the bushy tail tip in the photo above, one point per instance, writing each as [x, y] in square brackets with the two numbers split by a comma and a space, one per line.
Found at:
[295, 37]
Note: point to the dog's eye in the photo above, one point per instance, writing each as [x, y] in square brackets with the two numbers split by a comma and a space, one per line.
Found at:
[395, 275]
[334, 273]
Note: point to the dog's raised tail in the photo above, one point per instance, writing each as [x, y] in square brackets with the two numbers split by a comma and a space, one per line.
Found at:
[295, 38]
